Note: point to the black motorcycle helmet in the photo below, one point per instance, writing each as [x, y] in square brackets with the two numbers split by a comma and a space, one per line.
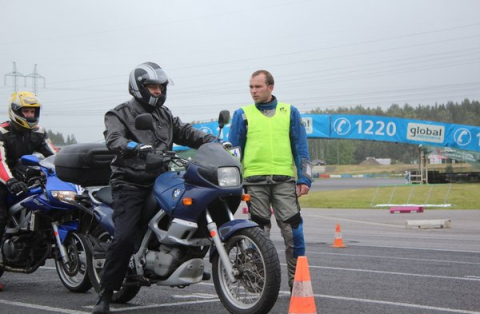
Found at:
[144, 74]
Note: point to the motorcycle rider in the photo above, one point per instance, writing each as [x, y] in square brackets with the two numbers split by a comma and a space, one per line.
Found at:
[19, 136]
[131, 182]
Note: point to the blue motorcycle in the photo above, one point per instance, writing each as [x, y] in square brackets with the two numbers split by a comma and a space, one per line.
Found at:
[42, 225]
[189, 214]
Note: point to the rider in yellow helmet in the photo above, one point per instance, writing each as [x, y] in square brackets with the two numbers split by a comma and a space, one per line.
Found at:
[19, 136]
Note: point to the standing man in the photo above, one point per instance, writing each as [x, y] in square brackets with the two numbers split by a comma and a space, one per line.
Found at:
[131, 182]
[272, 138]
[19, 136]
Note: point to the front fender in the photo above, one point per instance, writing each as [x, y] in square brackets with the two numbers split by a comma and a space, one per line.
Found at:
[64, 229]
[228, 229]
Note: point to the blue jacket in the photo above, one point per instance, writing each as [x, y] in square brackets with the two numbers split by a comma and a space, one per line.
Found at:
[298, 139]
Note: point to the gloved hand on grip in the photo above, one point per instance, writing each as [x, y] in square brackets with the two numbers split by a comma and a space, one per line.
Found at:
[16, 187]
[142, 150]
[154, 161]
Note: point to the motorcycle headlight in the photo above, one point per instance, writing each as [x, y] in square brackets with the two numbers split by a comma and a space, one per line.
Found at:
[228, 176]
[64, 196]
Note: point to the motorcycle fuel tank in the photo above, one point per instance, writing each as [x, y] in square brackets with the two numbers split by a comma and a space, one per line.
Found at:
[168, 189]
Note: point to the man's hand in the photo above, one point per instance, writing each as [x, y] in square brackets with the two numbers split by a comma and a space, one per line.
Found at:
[16, 187]
[142, 150]
[302, 189]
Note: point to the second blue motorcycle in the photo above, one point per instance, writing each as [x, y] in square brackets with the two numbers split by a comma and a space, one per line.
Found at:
[42, 225]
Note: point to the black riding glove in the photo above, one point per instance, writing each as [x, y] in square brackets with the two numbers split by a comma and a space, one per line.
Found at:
[142, 150]
[15, 186]
[154, 161]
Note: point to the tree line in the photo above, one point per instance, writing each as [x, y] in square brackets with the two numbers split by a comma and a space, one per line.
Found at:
[58, 139]
[335, 151]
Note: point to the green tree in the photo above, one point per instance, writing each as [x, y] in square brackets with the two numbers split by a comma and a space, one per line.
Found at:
[58, 139]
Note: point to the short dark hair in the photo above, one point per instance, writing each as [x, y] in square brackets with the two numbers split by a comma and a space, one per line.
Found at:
[268, 76]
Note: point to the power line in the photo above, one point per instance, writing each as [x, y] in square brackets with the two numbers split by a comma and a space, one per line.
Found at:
[15, 74]
[34, 77]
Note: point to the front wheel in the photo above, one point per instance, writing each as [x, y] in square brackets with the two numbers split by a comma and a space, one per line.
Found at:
[257, 272]
[73, 274]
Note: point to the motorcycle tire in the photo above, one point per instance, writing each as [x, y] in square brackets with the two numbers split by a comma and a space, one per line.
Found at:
[257, 271]
[94, 268]
[74, 274]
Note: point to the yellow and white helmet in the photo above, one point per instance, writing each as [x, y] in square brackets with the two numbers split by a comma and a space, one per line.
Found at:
[24, 100]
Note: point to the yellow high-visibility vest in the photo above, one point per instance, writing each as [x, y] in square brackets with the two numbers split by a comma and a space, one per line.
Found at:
[267, 148]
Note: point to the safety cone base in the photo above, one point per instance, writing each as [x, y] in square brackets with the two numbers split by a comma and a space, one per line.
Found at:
[338, 245]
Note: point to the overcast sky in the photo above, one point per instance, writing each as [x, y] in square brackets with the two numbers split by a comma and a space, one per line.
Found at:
[323, 54]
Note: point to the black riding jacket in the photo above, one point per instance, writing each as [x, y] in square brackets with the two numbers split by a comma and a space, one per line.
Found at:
[16, 142]
[120, 130]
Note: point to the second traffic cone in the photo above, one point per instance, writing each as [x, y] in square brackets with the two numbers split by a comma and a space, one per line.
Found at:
[302, 300]
[338, 242]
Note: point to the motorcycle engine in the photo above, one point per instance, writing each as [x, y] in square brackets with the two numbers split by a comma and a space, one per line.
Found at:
[20, 252]
[162, 262]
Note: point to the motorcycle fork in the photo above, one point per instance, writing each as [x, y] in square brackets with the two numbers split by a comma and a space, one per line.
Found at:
[212, 227]
[61, 247]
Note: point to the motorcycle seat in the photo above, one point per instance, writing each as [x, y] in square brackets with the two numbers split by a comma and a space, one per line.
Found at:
[105, 195]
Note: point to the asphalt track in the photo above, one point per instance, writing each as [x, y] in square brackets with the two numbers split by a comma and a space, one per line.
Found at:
[329, 184]
[385, 268]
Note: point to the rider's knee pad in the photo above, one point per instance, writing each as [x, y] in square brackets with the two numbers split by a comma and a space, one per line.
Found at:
[294, 221]
[262, 222]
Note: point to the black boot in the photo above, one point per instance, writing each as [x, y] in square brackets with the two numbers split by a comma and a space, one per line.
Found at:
[103, 303]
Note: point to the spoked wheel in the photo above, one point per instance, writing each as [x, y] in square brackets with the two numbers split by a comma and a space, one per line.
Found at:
[73, 273]
[257, 273]
[95, 265]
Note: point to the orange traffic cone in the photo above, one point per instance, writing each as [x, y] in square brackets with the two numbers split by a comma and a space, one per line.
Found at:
[302, 300]
[338, 242]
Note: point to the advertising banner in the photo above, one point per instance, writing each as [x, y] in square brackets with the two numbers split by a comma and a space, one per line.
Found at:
[379, 128]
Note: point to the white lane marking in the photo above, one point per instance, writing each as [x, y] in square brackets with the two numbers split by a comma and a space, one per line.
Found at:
[195, 295]
[67, 311]
[394, 273]
[413, 248]
[48, 268]
[395, 258]
[468, 278]
[360, 221]
[41, 307]
[153, 306]
[416, 306]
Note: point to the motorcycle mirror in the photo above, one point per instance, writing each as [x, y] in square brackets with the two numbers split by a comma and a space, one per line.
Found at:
[144, 121]
[223, 118]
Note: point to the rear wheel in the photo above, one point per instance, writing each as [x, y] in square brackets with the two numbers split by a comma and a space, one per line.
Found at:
[95, 265]
[256, 269]
[73, 273]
